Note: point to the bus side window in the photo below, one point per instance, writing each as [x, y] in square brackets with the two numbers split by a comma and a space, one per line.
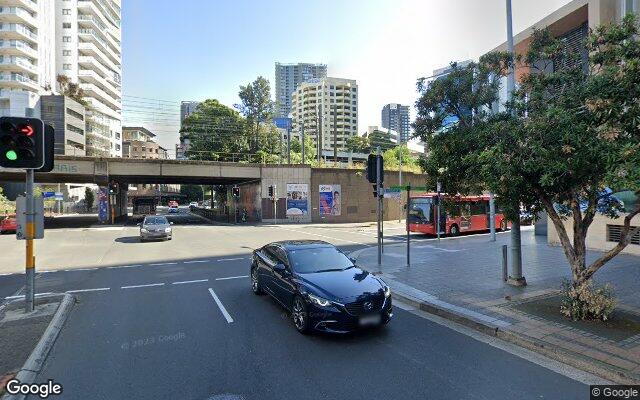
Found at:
[478, 207]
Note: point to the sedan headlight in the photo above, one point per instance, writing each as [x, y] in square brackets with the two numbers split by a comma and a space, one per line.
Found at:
[319, 301]
[167, 230]
[387, 291]
[143, 230]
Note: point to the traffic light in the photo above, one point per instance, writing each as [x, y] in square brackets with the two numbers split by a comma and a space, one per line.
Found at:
[271, 191]
[49, 148]
[21, 143]
[114, 188]
[372, 162]
[375, 191]
[236, 192]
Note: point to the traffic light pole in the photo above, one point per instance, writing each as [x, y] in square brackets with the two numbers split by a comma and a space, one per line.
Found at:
[378, 201]
[30, 261]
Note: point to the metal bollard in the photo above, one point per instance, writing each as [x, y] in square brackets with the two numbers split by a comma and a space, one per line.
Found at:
[504, 263]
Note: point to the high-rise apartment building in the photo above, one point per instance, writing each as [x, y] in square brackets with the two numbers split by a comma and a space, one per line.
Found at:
[329, 103]
[27, 55]
[88, 51]
[80, 39]
[186, 108]
[288, 77]
[396, 117]
[67, 117]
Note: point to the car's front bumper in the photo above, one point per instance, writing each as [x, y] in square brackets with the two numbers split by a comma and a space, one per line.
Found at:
[336, 319]
[155, 235]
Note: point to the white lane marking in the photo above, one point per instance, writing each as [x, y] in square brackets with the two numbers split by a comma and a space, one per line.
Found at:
[141, 286]
[323, 236]
[22, 295]
[125, 266]
[232, 277]
[220, 306]
[167, 263]
[231, 259]
[87, 290]
[194, 281]
[195, 261]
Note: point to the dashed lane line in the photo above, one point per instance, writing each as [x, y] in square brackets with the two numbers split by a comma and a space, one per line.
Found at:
[193, 281]
[88, 290]
[232, 259]
[195, 261]
[232, 277]
[160, 264]
[142, 286]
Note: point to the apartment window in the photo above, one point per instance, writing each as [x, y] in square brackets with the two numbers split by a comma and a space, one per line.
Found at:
[66, 25]
[135, 149]
[66, 67]
[75, 129]
[117, 147]
[150, 150]
[66, 39]
[66, 11]
[66, 52]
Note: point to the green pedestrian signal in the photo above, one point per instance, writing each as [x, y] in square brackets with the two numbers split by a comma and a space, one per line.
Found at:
[11, 155]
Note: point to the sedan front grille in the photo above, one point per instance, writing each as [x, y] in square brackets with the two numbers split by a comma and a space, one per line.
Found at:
[366, 306]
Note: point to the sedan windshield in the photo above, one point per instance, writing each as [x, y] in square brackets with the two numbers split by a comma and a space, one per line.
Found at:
[318, 259]
[156, 221]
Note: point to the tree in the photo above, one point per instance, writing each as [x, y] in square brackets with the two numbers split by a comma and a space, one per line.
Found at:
[6, 206]
[89, 198]
[380, 138]
[216, 132]
[571, 132]
[309, 151]
[256, 105]
[71, 89]
[392, 157]
[192, 192]
[359, 144]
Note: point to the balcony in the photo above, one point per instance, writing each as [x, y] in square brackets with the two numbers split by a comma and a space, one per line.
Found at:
[90, 49]
[16, 15]
[94, 36]
[101, 9]
[19, 64]
[90, 76]
[18, 81]
[102, 96]
[92, 63]
[18, 32]
[28, 5]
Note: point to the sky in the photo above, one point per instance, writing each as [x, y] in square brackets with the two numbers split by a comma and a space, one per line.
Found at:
[199, 49]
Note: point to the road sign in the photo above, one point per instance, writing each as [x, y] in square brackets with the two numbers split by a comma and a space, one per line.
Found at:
[392, 193]
[21, 218]
[48, 194]
[59, 196]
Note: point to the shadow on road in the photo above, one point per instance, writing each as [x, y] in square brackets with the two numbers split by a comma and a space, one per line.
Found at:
[128, 239]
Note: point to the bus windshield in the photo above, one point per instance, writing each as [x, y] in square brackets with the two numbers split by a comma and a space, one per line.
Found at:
[420, 211]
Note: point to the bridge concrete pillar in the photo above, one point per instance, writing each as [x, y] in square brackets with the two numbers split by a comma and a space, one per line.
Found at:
[119, 207]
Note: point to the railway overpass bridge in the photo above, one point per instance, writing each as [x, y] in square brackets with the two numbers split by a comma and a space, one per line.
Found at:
[125, 171]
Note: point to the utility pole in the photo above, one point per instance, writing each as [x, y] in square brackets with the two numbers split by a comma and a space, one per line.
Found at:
[379, 208]
[319, 133]
[280, 148]
[516, 250]
[335, 135]
[30, 262]
[288, 143]
[302, 138]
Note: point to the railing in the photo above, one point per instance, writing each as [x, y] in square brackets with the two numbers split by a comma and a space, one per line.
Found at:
[18, 28]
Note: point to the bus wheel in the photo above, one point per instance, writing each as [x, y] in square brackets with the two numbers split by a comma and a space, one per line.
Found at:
[454, 230]
[503, 225]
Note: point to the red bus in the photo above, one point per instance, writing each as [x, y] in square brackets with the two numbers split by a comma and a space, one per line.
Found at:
[458, 214]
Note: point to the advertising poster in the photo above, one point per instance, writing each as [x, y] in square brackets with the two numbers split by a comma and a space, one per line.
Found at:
[103, 205]
[330, 200]
[297, 199]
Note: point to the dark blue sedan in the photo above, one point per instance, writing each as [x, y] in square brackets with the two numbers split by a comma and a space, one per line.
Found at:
[321, 287]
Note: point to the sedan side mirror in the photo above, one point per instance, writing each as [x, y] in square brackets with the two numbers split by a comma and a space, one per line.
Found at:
[279, 267]
[170, 223]
[139, 224]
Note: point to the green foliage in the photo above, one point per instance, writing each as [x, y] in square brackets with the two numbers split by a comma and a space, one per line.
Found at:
[585, 301]
[70, 89]
[6, 206]
[192, 192]
[309, 151]
[359, 144]
[380, 138]
[392, 158]
[568, 133]
[89, 198]
[256, 105]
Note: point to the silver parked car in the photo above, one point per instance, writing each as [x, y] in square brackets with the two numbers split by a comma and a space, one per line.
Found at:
[155, 227]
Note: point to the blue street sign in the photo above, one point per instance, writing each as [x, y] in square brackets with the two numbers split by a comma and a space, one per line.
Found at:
[48, 194]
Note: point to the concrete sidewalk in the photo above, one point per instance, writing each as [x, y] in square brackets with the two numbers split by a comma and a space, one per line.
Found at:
[461, 279]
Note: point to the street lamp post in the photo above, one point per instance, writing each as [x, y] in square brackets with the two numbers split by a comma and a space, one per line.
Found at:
[516, 251]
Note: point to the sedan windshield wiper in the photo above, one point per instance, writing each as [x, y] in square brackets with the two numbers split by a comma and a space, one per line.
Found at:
[333, 269]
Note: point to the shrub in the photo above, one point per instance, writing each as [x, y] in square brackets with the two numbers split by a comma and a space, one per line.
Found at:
[586, 301]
